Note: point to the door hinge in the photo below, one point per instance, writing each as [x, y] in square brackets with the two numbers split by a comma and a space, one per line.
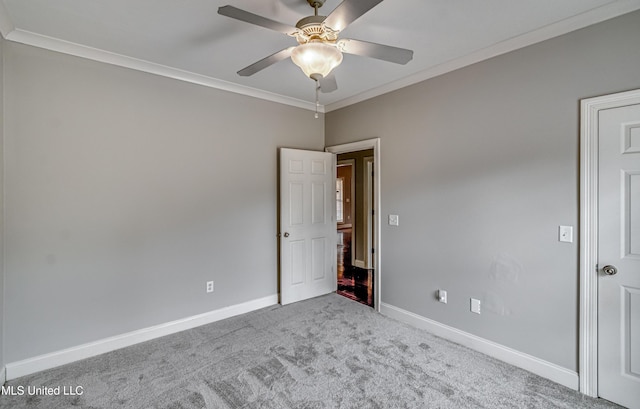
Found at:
[373, 250]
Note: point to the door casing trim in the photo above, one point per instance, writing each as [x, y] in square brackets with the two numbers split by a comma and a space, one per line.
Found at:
[588, 321]
[374, 144]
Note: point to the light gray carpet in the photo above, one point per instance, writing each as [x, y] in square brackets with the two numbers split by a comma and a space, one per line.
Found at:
[328, 352]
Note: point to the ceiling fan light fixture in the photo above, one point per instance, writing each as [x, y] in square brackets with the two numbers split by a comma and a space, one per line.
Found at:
[316, 58]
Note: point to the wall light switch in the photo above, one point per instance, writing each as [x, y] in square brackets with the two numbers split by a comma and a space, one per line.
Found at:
[442, 296]
[565, 234]
[394, 220]
[475, 306]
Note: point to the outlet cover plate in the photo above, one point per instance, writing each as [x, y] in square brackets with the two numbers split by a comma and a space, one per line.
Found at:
[565, 234]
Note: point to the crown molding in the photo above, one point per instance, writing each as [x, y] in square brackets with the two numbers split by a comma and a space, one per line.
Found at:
[594, 16]
[78, 50]
[590, 17]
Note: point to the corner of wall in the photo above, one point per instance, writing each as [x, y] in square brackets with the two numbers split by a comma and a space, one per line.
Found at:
[6, 26]
[2, 367]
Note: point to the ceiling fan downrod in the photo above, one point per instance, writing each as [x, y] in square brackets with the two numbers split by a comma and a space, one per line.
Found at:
[316, 4]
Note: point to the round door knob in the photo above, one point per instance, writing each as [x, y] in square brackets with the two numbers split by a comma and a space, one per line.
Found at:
[286, 234]
[609, 270]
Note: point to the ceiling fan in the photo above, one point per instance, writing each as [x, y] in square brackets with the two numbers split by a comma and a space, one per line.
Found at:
[319, 49]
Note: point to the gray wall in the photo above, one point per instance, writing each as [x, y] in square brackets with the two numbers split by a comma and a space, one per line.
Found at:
[482, 165]
[126, 192]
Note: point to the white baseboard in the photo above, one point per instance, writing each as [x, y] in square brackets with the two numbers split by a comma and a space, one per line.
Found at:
[360, 264]
[528, 362]
[51, 360]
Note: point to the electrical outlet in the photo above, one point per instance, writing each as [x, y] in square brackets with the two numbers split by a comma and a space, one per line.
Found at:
[442, 296]
[209, 286]
[565, 234]
[475, 306]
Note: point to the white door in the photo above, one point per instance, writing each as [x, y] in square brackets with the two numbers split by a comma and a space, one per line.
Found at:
[619, 255]
[307, 224]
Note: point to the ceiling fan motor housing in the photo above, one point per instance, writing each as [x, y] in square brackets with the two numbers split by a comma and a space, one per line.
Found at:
[312, 28]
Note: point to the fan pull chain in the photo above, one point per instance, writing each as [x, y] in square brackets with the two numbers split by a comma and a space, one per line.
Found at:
[317, 98]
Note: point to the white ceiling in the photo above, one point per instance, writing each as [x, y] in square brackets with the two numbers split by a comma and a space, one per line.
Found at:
[190, 41]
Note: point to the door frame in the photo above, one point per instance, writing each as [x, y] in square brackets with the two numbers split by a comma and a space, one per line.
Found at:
[369, 260]
[361, 146]
[588, 331]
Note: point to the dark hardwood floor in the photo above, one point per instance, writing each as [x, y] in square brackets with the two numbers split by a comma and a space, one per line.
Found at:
[353, 282]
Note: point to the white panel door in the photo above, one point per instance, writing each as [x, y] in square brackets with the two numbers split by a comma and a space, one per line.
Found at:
[619, 256]
[307, 224]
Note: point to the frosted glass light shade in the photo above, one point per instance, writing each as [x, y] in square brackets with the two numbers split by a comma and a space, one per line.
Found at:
[316, 58]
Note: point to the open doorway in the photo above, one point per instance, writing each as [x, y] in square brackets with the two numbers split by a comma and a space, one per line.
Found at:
[355, 225]
[371, 145]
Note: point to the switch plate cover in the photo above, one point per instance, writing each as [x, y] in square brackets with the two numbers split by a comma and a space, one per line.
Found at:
[475, 306]
[394, 220]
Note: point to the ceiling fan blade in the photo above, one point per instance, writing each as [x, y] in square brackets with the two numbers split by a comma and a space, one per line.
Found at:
[328, 83]
[347, 12]
[374, 50]
[238, 14]
[265, 62]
